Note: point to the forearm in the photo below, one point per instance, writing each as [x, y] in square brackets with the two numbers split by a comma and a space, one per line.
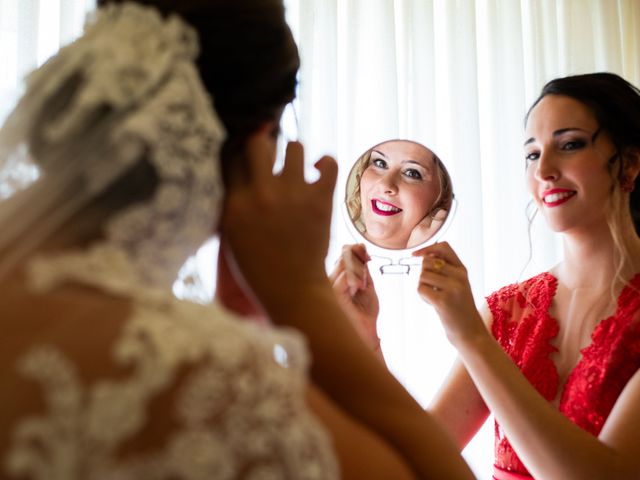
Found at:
[549, 444]
[348, 371]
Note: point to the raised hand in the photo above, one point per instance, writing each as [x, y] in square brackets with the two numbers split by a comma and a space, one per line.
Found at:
[427, 228]
[445, 285]
[356, 293]
[277, 226]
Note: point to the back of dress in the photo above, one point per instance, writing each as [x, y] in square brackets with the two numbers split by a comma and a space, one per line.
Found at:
[112, 377]
[186, 392]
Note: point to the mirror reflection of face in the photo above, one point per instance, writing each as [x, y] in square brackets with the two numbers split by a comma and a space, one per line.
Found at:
[399, 187]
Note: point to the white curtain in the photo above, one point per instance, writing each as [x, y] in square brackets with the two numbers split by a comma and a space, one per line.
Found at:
[30, 32]
[458, 76]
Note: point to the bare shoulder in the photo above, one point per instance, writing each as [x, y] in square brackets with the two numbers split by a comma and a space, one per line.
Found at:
[65, 316]
[79, 321]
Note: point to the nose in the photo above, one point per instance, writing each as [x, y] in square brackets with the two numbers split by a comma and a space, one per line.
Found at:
[546, 167]
[388, 184]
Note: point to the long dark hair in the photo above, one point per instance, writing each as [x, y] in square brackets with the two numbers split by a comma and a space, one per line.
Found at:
[616, 106]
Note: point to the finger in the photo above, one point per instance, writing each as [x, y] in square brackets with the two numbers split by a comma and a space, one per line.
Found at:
[430, 294]
[440, 215]
[438, 265]
[354, 265]
[337, 270]
[294, 161]
[441, 267]
[442, 250]
[354, 258]
[435, 280]
[359, 250]
[341, 286]
[260, 151]
[424, 224]
[328, 169]
[368, 281]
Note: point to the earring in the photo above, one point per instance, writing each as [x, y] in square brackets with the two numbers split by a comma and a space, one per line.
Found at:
[627, 185]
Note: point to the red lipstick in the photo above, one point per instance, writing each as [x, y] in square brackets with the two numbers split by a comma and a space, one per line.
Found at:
[384, 208]
[557, 196]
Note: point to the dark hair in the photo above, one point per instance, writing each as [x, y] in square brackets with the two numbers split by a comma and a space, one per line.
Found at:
[616, 106]
[248, 61]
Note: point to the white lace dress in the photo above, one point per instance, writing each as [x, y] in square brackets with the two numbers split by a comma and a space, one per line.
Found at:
[239, 408]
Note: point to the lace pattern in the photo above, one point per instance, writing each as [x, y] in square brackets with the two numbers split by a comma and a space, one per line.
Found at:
[523, 327]
[237, 391]
[240, 409]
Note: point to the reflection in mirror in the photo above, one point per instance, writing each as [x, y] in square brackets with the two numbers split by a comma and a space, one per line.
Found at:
[398, 194]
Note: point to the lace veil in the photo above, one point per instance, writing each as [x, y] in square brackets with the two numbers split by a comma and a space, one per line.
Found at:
[126, 90]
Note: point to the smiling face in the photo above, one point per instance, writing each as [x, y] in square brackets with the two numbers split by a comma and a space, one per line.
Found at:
[398, 189]
[567, 155]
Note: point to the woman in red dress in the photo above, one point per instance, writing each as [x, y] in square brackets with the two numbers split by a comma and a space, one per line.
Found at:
[555, 358]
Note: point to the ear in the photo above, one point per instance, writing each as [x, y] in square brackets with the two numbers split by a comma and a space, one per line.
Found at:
[268, 127]
[631, 164]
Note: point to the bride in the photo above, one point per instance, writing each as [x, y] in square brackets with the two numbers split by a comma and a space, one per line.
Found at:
[133, 130]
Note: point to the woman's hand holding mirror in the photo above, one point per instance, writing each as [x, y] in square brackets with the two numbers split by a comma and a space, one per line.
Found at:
[356, 293]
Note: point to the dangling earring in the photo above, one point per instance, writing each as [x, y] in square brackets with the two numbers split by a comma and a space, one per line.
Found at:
[627, 184]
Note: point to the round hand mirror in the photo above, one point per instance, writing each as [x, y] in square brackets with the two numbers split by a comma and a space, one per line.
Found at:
[398, 197]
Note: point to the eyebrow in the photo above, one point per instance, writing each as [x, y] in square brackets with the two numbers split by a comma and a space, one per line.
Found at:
[379, 153]
[560, 132]
[415, 162]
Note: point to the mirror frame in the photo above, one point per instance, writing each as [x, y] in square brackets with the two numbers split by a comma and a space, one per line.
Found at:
[400, 259]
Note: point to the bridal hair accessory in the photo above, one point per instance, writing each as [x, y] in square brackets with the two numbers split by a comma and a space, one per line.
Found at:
[126, 91]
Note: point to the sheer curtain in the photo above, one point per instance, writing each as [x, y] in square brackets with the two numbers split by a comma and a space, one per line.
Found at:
[457, 76]
[30, 32]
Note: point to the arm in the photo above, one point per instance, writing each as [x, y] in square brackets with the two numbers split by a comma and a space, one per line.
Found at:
[459, 407]
[550, 445]
[291, 220]
[458, 404]
[373, 458]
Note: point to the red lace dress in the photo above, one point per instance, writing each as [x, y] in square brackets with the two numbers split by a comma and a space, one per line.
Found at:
[523, 327]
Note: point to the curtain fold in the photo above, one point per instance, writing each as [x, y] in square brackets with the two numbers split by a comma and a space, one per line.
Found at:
[30, 32]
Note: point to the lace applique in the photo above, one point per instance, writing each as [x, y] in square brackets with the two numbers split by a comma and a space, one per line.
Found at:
[523, 327]
[240, 414]
[607, 364]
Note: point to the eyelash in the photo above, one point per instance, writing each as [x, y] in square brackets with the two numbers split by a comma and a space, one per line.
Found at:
[567, 146]
[410, 173]
[378, 162]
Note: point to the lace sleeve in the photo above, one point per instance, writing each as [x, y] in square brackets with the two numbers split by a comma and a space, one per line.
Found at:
[236, 405]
